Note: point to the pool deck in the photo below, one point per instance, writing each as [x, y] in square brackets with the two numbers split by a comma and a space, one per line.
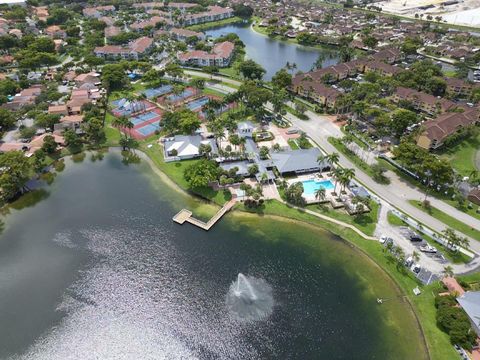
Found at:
[185, 215]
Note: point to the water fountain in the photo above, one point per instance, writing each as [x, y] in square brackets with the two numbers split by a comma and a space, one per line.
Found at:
[249, 299]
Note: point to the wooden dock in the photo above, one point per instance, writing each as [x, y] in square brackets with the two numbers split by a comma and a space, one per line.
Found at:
[185, 215]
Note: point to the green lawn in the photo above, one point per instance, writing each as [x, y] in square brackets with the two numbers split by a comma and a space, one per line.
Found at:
[438, 342]
[394, 220]
[174, 170]
[448, 220]
[293, 144]
[462, 155]
[364, 222]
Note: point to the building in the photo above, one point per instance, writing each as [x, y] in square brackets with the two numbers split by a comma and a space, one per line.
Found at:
[25, 97]
[56, 32]
[135, 50]
[316, 91]
[87, 78]
[474, 196]
[182, 147]
[470, 303]
[99, 11]
[184, 34]
[460, 87]
[300, 161]
[111, 31]
[152, 22]
[220, 56]
[436, 131]
[422, 101]
[58, 109]
[214, 13]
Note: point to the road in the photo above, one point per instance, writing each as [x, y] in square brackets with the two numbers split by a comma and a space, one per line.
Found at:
[397, 193]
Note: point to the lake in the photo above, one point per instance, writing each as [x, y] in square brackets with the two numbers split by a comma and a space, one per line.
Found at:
[93, 267]
[273, 54]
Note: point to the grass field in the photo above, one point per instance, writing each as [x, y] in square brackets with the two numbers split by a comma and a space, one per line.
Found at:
[438, 342]
[448, 220]
[462, 155]
[364, 222]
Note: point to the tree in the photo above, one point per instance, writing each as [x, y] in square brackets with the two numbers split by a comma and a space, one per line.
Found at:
[114, 77]
[282, 79]
[49, 144]
[188, 121]
[7, 119]
[401, 120]
[72, 140]
[201, 173]
[453, 239]
[294, 193]
[39, 160]
[205, 149]
[448, 271]
[251, 70]
[17, 170]
[243, 11]
[370, 42]
[320, 194]
[337, 175]
[333, 158]
[263, 153]
[253, 169]
[94, 131]
[174, 70]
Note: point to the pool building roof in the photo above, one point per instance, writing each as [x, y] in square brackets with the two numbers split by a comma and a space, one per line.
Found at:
[297, 161]
[470, 302]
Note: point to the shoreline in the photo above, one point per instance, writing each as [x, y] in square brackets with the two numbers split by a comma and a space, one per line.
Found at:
[165, 178]
[242, 213]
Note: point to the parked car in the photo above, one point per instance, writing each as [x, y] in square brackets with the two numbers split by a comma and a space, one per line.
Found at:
[415, 237]
[428, 249]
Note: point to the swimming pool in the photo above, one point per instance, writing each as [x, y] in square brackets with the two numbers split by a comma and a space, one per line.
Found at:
[310, 186]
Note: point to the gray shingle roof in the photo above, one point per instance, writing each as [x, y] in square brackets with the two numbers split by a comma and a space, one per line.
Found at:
[296, 160]
[470, 302]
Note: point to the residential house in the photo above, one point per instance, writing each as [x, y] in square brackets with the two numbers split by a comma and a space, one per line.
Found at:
[184, 34]
[87, 78]
[460, 87]
[58, 109]
[134, 50]
[25, 97]
[423, 101]
[56, 32]
[474, 196]
[220, 56]
[98, 11]
[436, 131]
[152, 22]
[111, 31]
[214, 13]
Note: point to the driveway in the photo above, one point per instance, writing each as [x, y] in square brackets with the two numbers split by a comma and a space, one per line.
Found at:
[397, 193]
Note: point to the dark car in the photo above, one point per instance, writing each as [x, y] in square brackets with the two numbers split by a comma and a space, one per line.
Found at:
[415, 238]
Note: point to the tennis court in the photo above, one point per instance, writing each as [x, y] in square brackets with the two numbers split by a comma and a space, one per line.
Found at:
[159, 91]
[197, 104]
[144, 118]
[148, 129]
[124, 107]
[176, 98]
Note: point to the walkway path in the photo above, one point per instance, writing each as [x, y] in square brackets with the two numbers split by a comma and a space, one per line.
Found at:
[186, 216]
[397, 193]
[477, 159]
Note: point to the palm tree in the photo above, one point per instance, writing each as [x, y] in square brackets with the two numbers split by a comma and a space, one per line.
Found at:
[448, 271]
[320, 194]
[337, 175]
[348, 174]
[320, 160]
[333, 159]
